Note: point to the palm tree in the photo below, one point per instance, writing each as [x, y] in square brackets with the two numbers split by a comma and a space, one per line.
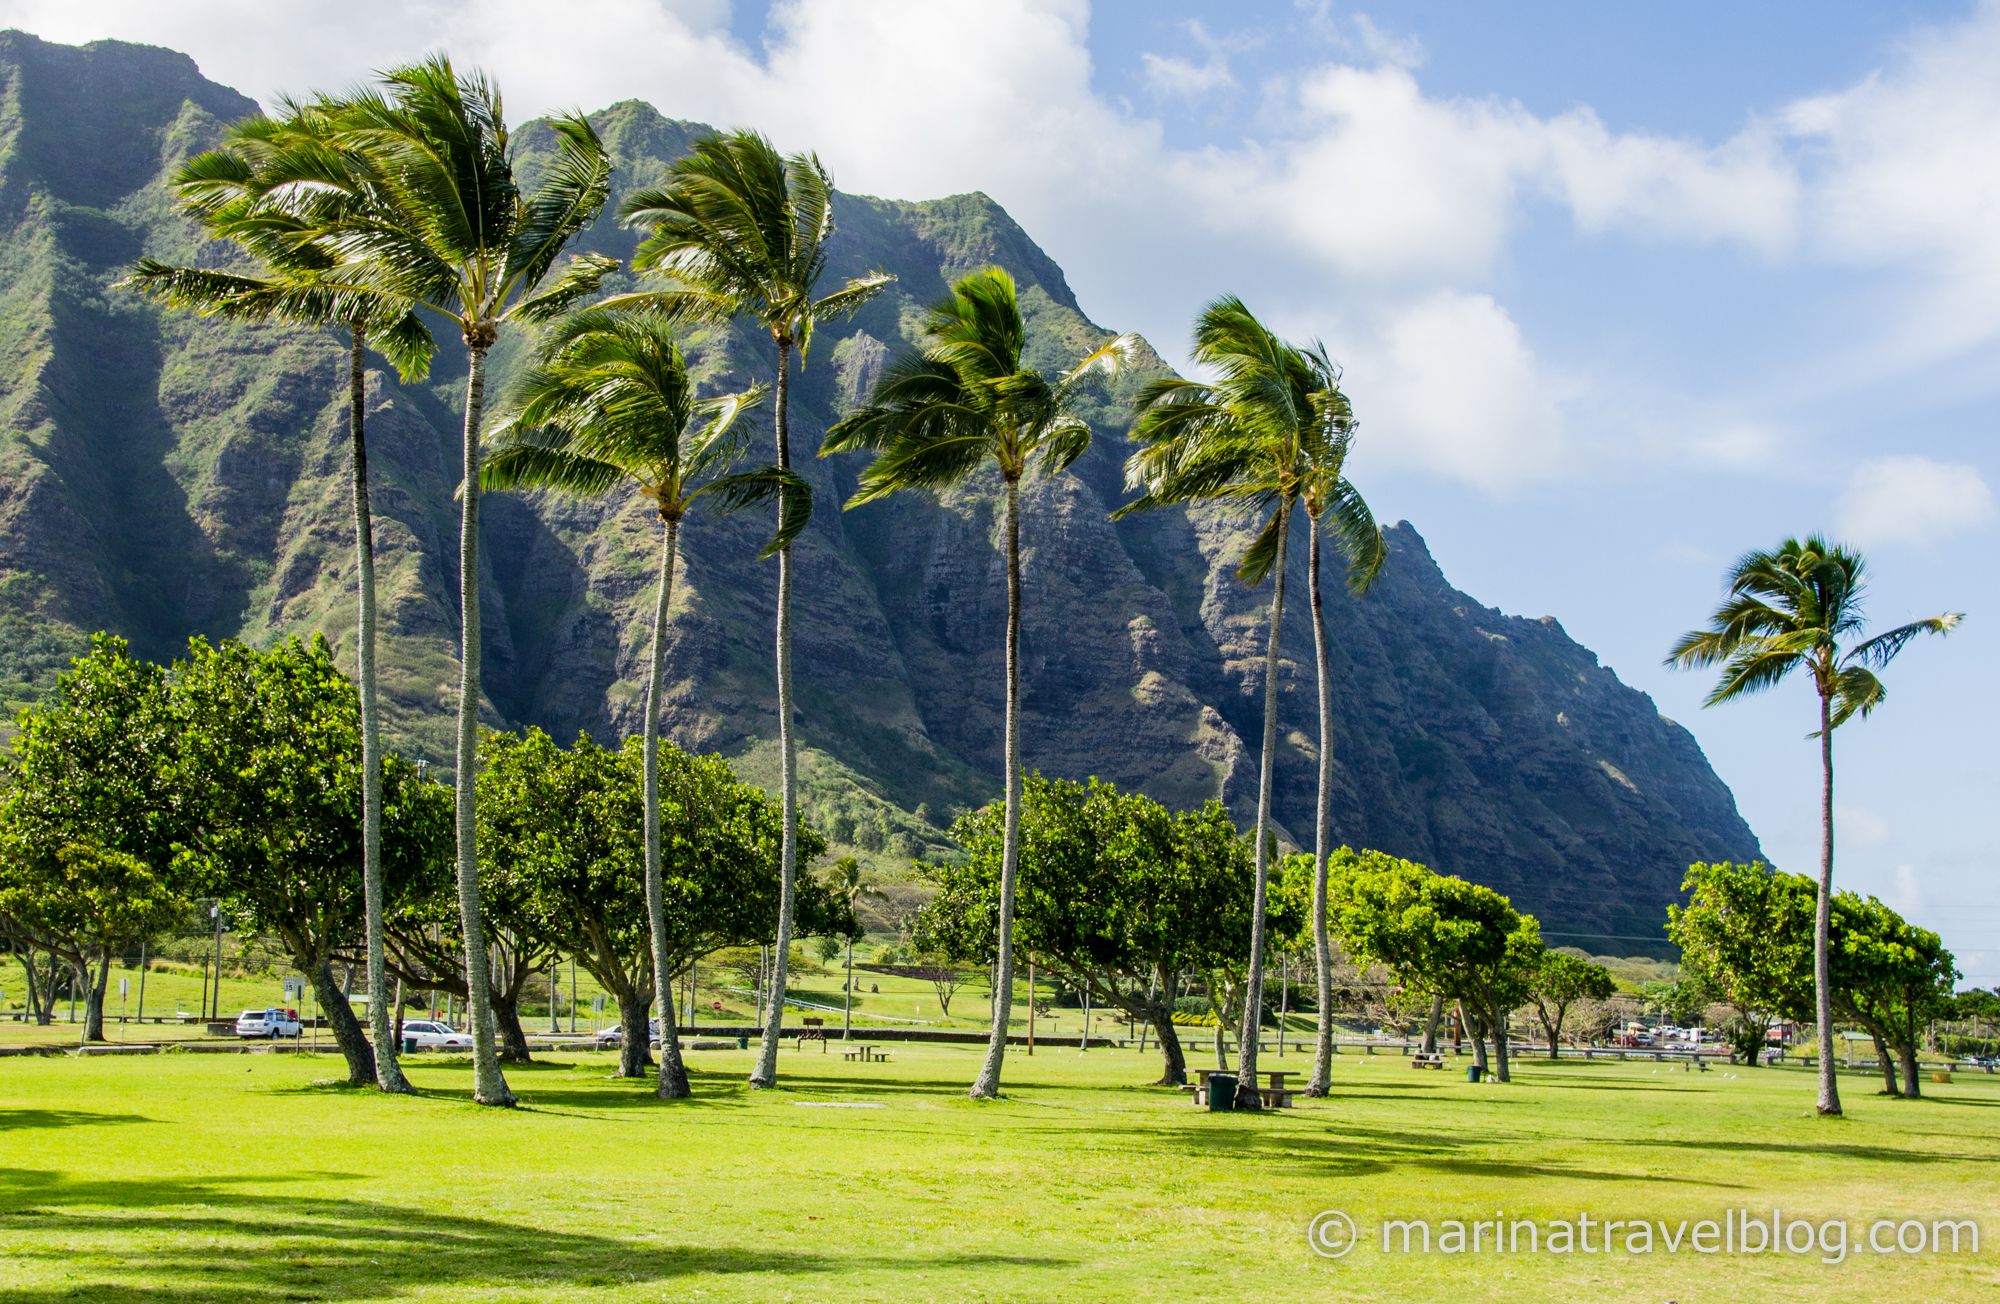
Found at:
[845, 881]
[225, 190]
[436, 219]
[739, 229]
[937, 416]
[1243, 438]
[610, 401]
[1799, 607]
[1331, 504]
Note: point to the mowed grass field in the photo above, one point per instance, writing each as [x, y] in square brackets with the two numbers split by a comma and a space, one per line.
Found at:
[242, 1179]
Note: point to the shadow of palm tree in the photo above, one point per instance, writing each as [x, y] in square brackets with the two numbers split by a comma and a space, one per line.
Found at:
[239, 1241]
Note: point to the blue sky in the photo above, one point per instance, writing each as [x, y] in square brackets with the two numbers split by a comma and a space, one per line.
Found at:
[1622, 290]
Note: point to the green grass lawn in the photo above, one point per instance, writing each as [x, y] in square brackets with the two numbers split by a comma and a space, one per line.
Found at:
[248, 1179]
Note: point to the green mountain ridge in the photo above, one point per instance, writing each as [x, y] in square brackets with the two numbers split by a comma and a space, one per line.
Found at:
[162, 476]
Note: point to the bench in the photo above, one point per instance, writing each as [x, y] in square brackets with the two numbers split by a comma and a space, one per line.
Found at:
[815, 1030]
[1427, 1061]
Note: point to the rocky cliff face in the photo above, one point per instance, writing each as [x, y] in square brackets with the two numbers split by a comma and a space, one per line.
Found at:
[161, 476]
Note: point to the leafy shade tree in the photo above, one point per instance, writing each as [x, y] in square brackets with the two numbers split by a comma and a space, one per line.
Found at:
[238, 194]
[267, 764]
[610, 402]
[1893, 978]
[565, 823]
[1270, 424]
[1120, 896]
[1746, 932]
[1558, 982]
[1461, 940]
[738, 229]
[1799, 607]
[964, 401]
[438, 219]
[851, 887]
[88, 820]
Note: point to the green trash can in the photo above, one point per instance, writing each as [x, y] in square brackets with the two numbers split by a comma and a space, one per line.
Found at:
[1221, 1092]
[1473, 1072]
[743, 1043]
[409, 1045]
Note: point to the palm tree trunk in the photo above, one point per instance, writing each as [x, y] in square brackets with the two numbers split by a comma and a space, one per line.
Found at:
[673, 1073]
[847, 1004]
[489, 1086]
[1322, 1069]
[1253, 999]
[987, 1085]
[388, 1071]
[1829, 1091]
[766, 1072]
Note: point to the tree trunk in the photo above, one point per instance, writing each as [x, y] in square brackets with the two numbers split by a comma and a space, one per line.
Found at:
[766, 1072]
[513, 1037]
[1431, 1025]
[1253, 996]
[1500, 1046]
[987, 1085]
[1553, 1027]
[37, 1009]
[1906, 1051]
[1322, 1070]
[847, 1002]
[93, 997]
[1173, 1072]
[634, 1045]
[388, 1072]
[1884, 1062]
[339, 1015]
[673, 1083]
[489, 1085]
[1829, 1090]
[1473, 1034]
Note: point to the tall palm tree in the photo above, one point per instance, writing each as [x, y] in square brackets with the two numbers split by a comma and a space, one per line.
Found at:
[437, 219]
[1799, 607]
[1242, 437]
[1331, 505]
[608, 402]
[938, 415]
[225, 190]
[847, 883]
[738, 229]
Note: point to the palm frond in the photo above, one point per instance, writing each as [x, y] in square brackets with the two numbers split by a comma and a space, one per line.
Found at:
[733, 493]
[1356, 535]
[1880, 650]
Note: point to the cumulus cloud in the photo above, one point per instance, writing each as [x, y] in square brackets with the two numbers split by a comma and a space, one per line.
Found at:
[1906, 499]
[1908, 178]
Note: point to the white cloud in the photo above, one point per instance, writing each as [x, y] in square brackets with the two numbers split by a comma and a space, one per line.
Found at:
[1359, 35]
[1859, 826]
[1908, 178]
[1906, 499]
[1450, 387]
[1170, 75]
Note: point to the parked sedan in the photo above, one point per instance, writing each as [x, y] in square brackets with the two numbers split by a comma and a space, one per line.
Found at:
[615, 1036]
[432, 1034]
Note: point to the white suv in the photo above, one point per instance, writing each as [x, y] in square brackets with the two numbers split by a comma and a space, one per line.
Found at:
[434, 1034]
[268, 1023]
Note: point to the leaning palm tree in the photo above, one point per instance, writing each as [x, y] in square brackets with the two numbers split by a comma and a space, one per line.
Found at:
[1799, 607]
[738, 229]
[937, 416]
[1331, 505]
[439, 220]
[610, 402]
[292, 280]
[1243, 438]
[847, 883]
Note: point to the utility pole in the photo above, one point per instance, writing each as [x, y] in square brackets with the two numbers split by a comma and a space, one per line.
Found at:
[1031, 1006]
[1284, 996]
[142, 982]
[215, 913]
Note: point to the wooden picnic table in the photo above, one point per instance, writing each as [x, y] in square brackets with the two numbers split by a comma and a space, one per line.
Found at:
[866, 1052]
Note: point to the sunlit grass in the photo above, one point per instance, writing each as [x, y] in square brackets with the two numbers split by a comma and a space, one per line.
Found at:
[240, 1179]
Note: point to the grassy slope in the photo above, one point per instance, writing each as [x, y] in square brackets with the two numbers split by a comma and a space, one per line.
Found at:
[245, 1180]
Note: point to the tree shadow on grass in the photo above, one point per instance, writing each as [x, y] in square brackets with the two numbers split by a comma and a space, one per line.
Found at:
[1828, 1149]
[22, 1119]
[237, 1241]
